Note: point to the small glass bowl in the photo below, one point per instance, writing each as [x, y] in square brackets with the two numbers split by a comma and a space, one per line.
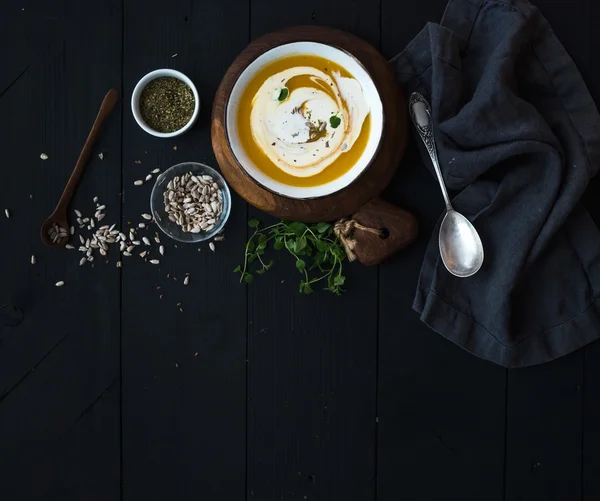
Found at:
[157, 205]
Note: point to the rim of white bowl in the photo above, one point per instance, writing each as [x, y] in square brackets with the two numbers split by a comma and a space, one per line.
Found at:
[137, 91]
[314, 192]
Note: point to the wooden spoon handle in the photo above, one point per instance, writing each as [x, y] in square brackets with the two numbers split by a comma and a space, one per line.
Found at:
[108, 104]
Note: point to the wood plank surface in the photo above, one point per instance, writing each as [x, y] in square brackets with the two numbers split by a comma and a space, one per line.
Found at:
[590, 443]
[108, 392]
[312, 360]
[184, 372]
[543, 435]
[544, 406]
[59, 367]
[441, 410]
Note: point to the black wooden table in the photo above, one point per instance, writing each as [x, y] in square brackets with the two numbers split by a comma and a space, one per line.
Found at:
[108, 392]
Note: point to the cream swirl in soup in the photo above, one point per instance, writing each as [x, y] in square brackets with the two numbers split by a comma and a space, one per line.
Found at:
[303, 119]
[305, 108]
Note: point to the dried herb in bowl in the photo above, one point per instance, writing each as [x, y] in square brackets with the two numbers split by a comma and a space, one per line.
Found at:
[167, 104]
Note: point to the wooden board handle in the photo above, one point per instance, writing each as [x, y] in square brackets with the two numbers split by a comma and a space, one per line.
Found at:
[399, 228]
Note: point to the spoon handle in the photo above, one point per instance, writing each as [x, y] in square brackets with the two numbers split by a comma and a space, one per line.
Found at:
[108, 104]
[420, 113]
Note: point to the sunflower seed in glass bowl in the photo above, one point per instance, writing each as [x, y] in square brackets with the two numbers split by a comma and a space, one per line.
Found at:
[190, 202]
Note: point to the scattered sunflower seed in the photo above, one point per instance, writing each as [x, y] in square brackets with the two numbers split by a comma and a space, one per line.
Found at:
[212, 246]
[139, 182]
[43, 156]
[101, 237]
[155, 171]
[59, 283]
[33, 260]
[148, 177]
[7, 213]
[186, 280]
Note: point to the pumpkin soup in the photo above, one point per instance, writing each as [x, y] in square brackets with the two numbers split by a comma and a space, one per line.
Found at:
[304, 120]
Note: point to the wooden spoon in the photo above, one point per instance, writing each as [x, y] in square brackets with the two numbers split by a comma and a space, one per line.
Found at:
[59, 216]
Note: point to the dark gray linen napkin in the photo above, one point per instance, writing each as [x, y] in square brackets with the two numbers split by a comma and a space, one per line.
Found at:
[518, 136]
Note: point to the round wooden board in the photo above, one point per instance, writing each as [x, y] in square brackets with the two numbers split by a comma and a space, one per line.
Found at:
[375, 177]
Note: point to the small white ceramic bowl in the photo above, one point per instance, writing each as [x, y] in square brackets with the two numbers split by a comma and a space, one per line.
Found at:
[346, 61]
[137, 92]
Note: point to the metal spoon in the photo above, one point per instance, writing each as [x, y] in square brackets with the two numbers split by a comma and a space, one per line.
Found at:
[460, 246]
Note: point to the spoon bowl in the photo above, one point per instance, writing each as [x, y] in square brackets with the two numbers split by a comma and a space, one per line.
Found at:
[59, 218]
[460, 245]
